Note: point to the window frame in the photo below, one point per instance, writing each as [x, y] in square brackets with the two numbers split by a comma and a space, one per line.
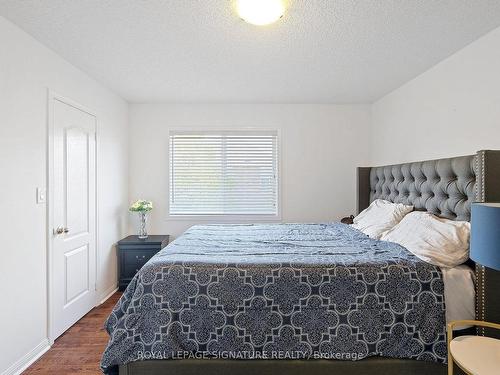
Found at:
[224, 218]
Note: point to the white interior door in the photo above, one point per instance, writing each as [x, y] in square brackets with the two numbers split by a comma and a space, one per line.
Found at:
[73, 258]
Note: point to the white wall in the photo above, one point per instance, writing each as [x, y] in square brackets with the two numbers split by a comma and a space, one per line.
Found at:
[320, 147]
[27, 69]
[452, 109]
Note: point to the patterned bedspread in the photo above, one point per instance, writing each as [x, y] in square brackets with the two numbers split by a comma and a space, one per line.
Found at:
[288, 291]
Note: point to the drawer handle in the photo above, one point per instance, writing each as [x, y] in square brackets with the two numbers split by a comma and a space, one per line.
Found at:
[144, 256]
[137, 257]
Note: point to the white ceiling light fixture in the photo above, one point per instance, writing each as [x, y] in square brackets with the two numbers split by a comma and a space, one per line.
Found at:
[260, 12]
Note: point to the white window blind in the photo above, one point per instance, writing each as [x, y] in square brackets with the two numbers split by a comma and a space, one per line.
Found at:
[224, 173]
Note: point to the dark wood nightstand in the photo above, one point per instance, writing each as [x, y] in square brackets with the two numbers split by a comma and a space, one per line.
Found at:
[133, 253]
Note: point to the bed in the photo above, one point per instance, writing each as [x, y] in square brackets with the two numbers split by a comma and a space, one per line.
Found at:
[321, 298]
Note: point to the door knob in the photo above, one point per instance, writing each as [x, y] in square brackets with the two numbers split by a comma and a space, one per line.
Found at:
[61, 230]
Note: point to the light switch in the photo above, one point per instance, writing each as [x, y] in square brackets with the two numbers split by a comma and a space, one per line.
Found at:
[41, 196]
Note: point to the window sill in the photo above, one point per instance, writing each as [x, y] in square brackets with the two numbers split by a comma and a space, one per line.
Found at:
[226, 218]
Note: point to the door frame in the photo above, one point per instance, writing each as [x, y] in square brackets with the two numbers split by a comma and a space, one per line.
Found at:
[51, 96]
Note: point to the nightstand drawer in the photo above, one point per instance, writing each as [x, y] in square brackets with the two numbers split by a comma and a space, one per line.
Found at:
[138, 257]
[129, 270]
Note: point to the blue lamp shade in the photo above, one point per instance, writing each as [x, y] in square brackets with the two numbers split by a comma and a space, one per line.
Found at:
[485, 234]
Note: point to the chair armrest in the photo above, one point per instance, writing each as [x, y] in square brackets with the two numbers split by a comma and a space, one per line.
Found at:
[478, 323]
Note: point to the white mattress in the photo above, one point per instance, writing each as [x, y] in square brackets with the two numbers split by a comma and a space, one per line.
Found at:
[459, 293]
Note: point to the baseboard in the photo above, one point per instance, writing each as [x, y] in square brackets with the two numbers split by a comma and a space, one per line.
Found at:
[108, 293]
[29, 358]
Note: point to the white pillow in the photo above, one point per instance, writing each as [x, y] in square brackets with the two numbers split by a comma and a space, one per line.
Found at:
[379, 217]
[438, 241]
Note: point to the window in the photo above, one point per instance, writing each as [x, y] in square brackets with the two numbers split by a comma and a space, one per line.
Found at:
[224, 173]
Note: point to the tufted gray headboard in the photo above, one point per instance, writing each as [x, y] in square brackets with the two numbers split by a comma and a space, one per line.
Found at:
[446, 188]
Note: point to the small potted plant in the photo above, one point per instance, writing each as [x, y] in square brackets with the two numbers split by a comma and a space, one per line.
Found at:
[142, 207]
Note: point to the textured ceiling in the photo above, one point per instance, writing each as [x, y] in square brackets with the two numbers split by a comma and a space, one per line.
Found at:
[321, 51]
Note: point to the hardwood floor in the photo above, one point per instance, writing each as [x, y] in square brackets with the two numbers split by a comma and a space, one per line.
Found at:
[79, 349]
